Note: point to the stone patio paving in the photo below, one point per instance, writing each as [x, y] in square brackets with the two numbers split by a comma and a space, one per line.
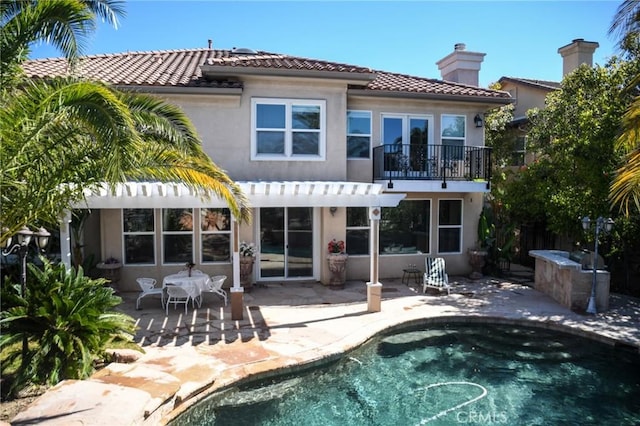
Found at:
[286, 325]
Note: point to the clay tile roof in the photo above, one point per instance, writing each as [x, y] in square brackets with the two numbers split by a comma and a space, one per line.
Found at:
[385, 81]
[227, 58]
[543, 84]
[179, 68]
[184, 68]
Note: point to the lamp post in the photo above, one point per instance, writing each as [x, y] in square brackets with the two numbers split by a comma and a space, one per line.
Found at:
[23, 238]
[601, 224]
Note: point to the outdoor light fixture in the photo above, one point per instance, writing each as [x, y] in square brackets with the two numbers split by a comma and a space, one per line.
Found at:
[478, 120]
[333, 210]
[23, 238]
[601, 224]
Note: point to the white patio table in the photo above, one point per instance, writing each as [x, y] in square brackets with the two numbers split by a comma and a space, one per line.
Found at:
[200, 280]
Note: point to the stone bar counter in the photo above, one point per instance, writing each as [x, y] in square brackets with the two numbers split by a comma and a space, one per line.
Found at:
[567, 282]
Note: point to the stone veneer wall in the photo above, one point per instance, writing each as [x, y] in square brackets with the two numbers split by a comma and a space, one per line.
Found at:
[567, 283]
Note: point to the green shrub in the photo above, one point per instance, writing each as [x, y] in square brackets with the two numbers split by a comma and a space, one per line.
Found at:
[68, 319]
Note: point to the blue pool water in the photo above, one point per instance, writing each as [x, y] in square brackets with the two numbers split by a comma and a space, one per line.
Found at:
[444, 375]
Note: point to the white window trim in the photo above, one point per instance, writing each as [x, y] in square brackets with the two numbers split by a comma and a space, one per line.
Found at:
[405, 125]
[288, 156]
[218, 232]
[461, 226]
[457, 138]
[429, 219]
[369, 135]
[163, 233]
[152, 233]
[360, 228]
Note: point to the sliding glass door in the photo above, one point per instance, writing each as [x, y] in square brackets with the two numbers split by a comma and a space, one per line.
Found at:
[286, 242]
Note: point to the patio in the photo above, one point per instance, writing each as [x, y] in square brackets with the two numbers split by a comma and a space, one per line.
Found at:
[287, 325]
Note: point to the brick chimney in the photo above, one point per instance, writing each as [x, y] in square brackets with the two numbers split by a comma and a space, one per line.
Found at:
[461, 66]
[576, 53]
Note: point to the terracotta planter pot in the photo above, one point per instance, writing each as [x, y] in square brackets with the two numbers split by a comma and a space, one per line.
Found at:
[246, 269]
[338, 267]
[477, 259]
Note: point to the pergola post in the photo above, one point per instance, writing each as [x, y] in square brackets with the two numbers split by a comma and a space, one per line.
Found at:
[237, 292]
[374, 287]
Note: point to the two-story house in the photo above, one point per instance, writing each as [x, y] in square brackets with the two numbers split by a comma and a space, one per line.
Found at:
[530, 93]
[393, 164]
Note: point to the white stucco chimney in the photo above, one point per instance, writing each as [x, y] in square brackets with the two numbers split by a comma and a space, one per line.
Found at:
[576, 53]
[461, 66]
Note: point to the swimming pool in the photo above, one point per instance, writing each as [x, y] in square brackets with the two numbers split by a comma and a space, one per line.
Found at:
[442, 375]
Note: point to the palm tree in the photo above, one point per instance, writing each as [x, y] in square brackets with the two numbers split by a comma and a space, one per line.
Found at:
[625, 188]
[65, 24]
[65, 134]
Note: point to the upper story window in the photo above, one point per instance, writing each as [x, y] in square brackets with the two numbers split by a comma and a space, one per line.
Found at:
[215, 235]
[138, 229]
[453, 135]
[399, 129]
[288, 129]
[358, 134]
[519, 151]
[177, 235]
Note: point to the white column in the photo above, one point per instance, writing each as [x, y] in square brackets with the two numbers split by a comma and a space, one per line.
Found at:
[374, 288]
[235, 226]
[237, 292]
[65, 239]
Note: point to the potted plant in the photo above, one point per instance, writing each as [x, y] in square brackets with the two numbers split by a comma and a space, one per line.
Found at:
[247, 258]
[110, 270]
[478, 255]
[337, 259]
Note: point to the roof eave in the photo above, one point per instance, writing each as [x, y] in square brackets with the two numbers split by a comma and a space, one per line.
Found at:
[226, 91]
[429, 96]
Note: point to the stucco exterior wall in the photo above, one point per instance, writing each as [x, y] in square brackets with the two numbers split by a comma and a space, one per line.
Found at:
[526, 98]
[225, 128]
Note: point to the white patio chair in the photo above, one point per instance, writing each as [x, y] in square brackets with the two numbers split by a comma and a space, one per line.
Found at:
[215, 286]
[147, 287]
[179, 294]
[435, 275]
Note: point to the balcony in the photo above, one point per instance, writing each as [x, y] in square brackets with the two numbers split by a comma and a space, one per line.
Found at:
[419, 162]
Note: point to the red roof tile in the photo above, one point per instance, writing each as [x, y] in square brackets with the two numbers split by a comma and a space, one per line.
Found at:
[182, 68]
[385, 81]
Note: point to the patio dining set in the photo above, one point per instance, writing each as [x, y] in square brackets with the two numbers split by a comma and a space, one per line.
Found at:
[181, 288]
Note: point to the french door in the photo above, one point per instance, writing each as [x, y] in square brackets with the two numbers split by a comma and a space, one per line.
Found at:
[286, 243]
[406, 139]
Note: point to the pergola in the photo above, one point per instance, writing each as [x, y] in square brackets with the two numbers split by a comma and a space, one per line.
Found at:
[136, 195]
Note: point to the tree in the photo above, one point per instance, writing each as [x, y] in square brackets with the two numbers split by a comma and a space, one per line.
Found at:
[625, 188]
[69, 320]
[66, 24]
[574, 135]
[64, 135]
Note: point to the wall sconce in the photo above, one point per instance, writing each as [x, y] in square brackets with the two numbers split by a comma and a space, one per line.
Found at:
[333, 210]
[478, 120]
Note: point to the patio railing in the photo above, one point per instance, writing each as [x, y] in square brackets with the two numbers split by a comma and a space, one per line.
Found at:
[431, 162]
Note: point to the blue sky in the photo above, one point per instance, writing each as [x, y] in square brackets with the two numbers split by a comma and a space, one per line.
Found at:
[520, 38]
